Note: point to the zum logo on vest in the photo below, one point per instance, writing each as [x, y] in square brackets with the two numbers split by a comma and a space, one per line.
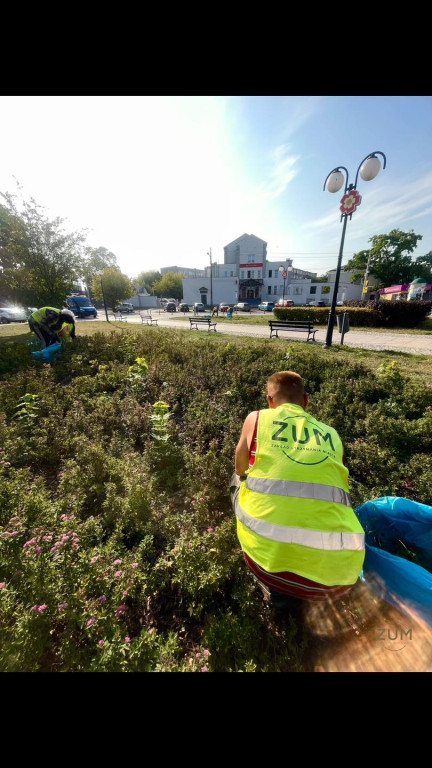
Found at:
[287, 433]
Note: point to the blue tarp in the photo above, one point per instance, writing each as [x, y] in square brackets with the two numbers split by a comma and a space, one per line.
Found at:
[48, 353]
[394, 525]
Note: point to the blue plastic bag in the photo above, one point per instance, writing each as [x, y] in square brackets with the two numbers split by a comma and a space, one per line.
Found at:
[48, 353]
[394, 525]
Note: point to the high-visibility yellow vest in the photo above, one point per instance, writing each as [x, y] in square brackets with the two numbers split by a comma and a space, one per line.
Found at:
[294, 509]
[65, 332]
[40, 316]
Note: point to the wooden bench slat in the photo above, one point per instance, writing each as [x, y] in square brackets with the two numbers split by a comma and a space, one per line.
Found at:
[148, 319]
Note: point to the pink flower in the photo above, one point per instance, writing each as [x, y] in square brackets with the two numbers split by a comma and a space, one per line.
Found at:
[29, 543]
[204, 669]
[91, 621]
[94, 559]
[118, 574]
[63, 606]
[206, 653]
[35, 607]
[202, 498]
[134, 565]
[127, 639]
[47, 538]
[64, 518]
[210, 530]
[13, 533]
[38, 550]
[121, 609]
[198, 655]
[193, 501]
[101, 643]
[117, 562]
[42, 608]
[102, 599]
[125, 593]
[190, 544]
[2, 584]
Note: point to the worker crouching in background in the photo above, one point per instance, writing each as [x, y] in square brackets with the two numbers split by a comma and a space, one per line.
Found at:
[299, 534]
[52, 325]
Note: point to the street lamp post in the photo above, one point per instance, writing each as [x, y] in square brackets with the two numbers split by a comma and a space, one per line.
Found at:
[103, 296]
[368, 168]
[284, 274]
[209, 253]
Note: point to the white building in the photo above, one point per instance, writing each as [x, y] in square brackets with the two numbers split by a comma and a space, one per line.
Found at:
[247, 275]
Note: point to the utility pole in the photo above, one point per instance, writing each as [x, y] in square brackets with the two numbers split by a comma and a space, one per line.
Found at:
[211, 278]
[365, 279]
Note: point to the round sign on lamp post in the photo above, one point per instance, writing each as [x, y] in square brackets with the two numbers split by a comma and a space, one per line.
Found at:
[284, 274]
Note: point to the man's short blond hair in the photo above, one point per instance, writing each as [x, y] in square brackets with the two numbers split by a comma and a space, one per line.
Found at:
[287, 384]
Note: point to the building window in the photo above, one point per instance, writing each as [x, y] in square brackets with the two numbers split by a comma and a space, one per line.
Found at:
[298, 291]
[275, 290]
[325, 289]
[248, 274]
[269, 289]
[251, 258]
[252, 274]
[231, 274]
[242, 274]
[270, 273]
[259, 273]
[225, 274]
[312, 289]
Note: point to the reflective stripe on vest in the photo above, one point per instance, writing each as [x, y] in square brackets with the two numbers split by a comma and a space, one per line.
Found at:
[333, 540]
[299, 490]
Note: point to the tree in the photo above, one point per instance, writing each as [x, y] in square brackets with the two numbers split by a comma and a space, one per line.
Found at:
[116, 287]
[147, 280]
[40, 261]
[96, 260]
[170, 285]
[389, 259]
[423, 267]
[321, 279]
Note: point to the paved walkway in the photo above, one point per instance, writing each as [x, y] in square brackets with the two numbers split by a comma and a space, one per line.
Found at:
[397, 342]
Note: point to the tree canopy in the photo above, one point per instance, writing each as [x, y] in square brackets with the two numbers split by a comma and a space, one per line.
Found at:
[147, 280]
[116, 287]
[96, 260]
[39, 260]
[170, 285]
[390, 260]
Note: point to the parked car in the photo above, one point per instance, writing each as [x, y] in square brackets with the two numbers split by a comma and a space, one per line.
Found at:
[224, 307]
[13, 315]
[286, 303]
[125, 308]
[81, 306]
[170, 307]
[199, 307]
[266, 306]
[182, 307]
[242, 307]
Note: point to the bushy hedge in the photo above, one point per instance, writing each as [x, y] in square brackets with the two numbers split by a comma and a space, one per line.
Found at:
[374, 314]
[118, 549]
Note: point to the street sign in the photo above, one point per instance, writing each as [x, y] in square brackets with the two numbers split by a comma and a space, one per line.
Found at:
[365, 290]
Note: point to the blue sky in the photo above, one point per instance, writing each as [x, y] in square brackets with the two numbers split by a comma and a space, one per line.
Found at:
[160, 180]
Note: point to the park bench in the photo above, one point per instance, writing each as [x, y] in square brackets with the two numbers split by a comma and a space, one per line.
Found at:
[118, 316]
[211, 326]
[292, 325]
[148, 319]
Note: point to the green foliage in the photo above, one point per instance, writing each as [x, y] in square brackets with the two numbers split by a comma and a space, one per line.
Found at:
[41, 259]
[95, 261]
[118, 546]
[148, 279]
[113, 285]
[389, 258]
[366, 314]
[170, 285]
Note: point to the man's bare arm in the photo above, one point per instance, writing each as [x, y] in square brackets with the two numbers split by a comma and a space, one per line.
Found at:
[243, 445]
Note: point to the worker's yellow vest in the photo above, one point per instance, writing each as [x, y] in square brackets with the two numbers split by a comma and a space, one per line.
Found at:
[65, 332]
[40, 315]
[294, 509]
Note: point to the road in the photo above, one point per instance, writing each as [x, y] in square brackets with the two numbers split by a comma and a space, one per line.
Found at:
[414, 344]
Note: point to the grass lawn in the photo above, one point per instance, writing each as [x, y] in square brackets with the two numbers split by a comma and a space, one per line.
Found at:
[417, 367]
